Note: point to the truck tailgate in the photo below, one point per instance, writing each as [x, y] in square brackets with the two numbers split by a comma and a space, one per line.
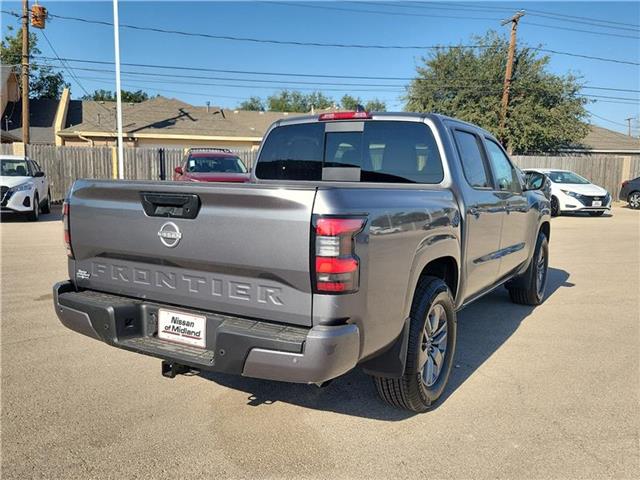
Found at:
[246, 252]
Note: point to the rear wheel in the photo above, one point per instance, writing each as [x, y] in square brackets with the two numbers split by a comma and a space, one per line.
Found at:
[34, 214]
[596, 214]
[528, 288]
[634, 200]
[555, 207]
[46, 206]
[431, 347]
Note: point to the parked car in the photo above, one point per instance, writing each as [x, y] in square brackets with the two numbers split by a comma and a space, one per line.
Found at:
[630, 192]
[211, 165]
[572, 193]
[24, 188]
[283, 278]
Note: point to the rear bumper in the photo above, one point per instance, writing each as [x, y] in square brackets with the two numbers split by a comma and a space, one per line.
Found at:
[234, 345]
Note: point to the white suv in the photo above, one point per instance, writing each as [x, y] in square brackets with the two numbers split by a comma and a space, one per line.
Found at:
[24, 188]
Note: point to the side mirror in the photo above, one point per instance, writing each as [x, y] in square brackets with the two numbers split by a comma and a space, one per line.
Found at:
[38, 174]
[534, 181]
[178, 170]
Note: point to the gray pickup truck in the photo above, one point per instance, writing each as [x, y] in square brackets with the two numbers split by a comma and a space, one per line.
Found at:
[356, 242]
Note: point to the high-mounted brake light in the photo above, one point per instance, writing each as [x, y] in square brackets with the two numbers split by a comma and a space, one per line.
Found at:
[336, 267]
[344, 116]
[67, 230]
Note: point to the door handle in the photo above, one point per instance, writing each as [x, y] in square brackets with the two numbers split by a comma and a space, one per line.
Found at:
[474, 211]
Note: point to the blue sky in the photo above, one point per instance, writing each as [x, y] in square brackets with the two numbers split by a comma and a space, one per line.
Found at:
[424, 23]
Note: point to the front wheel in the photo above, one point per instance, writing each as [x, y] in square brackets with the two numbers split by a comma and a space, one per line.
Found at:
[634, 200]
[555, 207]
[34, 214]
[431, 347]
[46, 206]
[528, 288]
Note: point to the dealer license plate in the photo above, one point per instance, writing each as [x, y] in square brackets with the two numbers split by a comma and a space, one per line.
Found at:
[182, 327]
[596, 203]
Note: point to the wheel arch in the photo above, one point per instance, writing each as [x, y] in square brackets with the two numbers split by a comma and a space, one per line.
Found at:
[391, 362]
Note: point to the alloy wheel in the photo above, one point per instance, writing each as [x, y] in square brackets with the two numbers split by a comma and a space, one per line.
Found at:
[634, 200]
[433, 345]
[541, 273]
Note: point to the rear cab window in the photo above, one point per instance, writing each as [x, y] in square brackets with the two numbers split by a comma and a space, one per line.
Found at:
[370, 151]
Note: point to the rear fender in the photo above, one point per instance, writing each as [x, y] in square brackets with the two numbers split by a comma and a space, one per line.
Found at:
[432, 248]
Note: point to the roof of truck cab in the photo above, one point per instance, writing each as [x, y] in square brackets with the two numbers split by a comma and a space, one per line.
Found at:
[380, 115]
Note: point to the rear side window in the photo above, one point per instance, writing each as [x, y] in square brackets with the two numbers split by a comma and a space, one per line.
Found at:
[383, 151]
[471, 157]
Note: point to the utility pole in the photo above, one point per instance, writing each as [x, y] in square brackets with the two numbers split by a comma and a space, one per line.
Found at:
[628, 120]
[509, 70]
[25, 72]
[116, 45]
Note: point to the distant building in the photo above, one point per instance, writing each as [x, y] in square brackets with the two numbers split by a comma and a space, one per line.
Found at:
[604, 141]
[157, 122]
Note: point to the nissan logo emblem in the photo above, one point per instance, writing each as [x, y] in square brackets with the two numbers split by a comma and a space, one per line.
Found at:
[169, 234]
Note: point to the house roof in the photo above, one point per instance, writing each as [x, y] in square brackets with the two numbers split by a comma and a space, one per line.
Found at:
[605, 140]
[5, 72]
[162, 116]
[42, 114]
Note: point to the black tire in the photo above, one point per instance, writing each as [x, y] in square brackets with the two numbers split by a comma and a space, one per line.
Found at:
[528, 288]
[34, 214]
[596, 214]
[634, 200]
[46, 206]
[555, 207]
[412, 391]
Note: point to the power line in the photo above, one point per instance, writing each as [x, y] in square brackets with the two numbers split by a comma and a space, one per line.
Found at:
[320, 44]
[66, 66]
[334, 45]
[486, 91]
[380, 12]
[607, 120]
[532, 12]
[287, 74]
[465, 17]
[478, 7]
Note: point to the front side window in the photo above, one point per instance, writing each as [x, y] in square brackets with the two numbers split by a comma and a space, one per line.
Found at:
[384, 151]
[503, 171]
[471, 157]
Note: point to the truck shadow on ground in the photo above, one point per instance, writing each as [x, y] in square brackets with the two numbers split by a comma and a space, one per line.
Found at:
[482, 328]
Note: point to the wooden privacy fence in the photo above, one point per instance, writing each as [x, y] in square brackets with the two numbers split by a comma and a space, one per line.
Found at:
[608, 171]
[63, 165]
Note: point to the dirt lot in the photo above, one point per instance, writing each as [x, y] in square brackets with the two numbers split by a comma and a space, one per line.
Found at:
[545, 393]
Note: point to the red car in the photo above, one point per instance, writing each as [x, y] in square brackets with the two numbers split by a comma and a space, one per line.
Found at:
[212, 165]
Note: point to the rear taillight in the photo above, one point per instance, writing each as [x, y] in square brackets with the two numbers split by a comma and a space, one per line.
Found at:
[336, 267]
[67, 231]
[343, 116]
[624, 184]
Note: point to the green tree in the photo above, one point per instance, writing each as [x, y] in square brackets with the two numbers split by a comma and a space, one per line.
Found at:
[252, 103]
[546, 111]
[294, 101]
[44, 82]
[375, 105]
[351, 103]
[109, 96]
